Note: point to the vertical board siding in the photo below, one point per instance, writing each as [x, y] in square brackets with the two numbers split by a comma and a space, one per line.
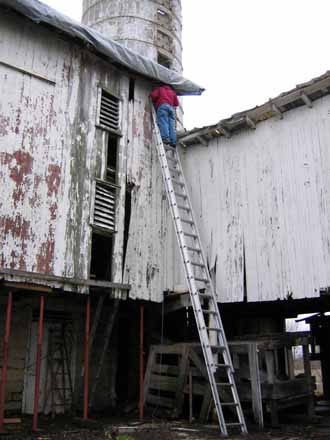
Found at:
[46, 156]
[265, 194]
[148, 267]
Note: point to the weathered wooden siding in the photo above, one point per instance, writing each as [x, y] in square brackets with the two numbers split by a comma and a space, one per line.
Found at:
[150, 261]
[47, 129]
[263, 197]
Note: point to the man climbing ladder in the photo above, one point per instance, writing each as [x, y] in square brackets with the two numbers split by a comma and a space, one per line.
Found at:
[165, 101]
[216, 354]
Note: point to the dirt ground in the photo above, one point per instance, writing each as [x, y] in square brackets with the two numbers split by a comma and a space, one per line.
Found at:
[75, 429]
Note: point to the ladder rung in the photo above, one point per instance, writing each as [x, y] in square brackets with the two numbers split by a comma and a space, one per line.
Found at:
[210, 312]
[193, 249]
[168, 148]
[189, 222]
[197, 264]
[218, 348]
[173, 159]
[235, 424]
[229, 404]
[188, 234]
[202, 280]
[222, 365]
[205, 295]
[178, 182]
[214, 329]
[174, 170]
[183, 207]
[224, 384]
[180, 195]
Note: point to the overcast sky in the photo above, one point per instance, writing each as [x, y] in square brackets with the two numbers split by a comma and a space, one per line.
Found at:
[245, 51]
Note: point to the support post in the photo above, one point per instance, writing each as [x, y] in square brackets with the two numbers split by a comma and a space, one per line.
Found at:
[38, 365]
[141, 404]
[86, 368]
[255, 384]
[5, 360]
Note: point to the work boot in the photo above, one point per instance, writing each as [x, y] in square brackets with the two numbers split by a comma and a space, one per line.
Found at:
[166, 141]
[173, 145]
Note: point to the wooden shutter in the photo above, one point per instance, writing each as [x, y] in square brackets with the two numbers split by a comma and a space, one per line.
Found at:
[109, 111]
[104, 206]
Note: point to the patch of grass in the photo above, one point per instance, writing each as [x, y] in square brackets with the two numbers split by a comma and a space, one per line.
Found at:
[124, 437]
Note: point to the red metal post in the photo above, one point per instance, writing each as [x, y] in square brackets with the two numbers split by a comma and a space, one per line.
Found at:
[38, 365]
[141, 405]
[5, 360]
[86, 369]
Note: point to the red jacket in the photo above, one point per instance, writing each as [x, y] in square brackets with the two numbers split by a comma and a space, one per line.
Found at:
[164, 95]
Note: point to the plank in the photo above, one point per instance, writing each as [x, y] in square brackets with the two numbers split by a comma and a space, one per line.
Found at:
[255, 385]
[149, 369]
[163, 383]
[206, 405]
[161, 401]
[182, 379]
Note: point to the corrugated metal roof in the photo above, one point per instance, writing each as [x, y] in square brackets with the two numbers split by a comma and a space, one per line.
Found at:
[302, 94]
[42, 14]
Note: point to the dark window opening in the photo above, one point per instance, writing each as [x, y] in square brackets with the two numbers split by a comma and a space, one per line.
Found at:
[131, 89]
[101, 259]
[164, 61]
[112, 159]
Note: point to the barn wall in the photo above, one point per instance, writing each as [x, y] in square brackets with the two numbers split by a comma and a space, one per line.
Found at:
[263, 197]
[51, 150]
[46, 155]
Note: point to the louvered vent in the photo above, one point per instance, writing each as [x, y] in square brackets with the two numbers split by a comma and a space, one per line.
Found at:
[105, 205]
[109, 112]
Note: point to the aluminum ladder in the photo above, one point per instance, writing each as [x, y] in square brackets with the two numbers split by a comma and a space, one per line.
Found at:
[211, 333]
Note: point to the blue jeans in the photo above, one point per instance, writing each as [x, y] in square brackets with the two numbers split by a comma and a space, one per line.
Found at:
[166, 123]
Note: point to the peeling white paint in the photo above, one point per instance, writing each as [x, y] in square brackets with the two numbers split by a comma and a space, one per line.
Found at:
[267, 191]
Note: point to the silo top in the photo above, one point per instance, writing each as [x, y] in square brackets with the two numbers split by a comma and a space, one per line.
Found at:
[153, 28]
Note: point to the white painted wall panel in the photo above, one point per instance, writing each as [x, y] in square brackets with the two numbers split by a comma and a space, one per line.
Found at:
[268, 192]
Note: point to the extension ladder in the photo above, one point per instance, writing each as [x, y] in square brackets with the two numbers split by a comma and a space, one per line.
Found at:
[211, 333]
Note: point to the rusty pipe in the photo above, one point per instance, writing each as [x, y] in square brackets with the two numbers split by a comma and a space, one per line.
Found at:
[5, 359]
[86, 368]
[38, 365]
[141, 405]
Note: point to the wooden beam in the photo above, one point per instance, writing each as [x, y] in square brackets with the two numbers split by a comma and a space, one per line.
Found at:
[224, 130]
[250, 122]
[306, 100]
[202, 140]
[150, 367]
[28, 276]
[182, 379]
[277, 111]
[255, 385]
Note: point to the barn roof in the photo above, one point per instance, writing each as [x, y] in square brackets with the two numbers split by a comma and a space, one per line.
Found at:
[302, 94]
[42, 14]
